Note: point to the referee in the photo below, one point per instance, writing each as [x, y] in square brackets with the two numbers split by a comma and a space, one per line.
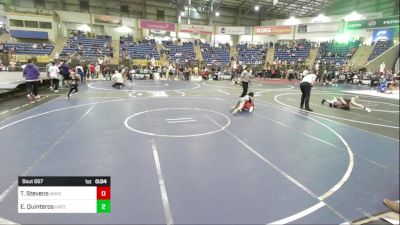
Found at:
[305, 87]
[245, 76]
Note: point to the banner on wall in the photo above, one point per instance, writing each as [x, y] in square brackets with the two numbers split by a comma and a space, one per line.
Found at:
[318, 27]
[383, 34]
[109, 20]
[392, 21]
[273, 30]
[157, 25]
[195, 29]
[128, 22]
[232, 30]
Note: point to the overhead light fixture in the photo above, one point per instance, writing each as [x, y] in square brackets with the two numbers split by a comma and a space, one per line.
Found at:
[275, 2]
[352, 16]
[321, 19]
[182, 13]
[256, 7]
[124, 29]
[84, 28]
[216, 13]
[292, 21]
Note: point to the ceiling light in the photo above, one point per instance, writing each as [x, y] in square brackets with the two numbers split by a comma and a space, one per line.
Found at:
[353, 16]
[84, 28]
[292, 21]
[216, 13]
[256, 7]
[182, 13]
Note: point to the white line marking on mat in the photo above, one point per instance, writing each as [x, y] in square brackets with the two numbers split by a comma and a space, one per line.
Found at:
[7, 222]
[4, 112]
[14, 184]
[183, 121]
[223, 92]
[300, 214]
[180, 92]
[180, 119]
[297, 183]
[328, 143]
[164, 196]
[355, 121]
[15, 108]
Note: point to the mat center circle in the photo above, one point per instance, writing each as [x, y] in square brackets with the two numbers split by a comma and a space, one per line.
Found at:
[147, 85]
[177, 122]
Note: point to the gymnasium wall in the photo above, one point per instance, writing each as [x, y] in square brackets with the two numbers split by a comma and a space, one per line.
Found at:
[52, 32]
[344, 7]
[142, 10]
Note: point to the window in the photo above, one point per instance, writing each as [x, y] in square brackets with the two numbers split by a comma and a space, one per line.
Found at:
[45, 25]
[39, 4]
[160, 14]
[124, 7]
[17, 23]
[84, 5]
[32, 24]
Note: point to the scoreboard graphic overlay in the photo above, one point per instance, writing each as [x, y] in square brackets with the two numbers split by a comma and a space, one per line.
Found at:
[64, 194]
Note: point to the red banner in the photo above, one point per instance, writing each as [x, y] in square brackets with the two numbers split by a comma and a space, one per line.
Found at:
[273, 30]
[156, 25]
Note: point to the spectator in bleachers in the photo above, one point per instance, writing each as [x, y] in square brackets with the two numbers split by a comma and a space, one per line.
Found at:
[56, 57]
[12, 65]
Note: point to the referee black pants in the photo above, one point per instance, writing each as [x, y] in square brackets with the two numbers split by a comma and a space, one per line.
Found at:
[305, 88]
[245, 86]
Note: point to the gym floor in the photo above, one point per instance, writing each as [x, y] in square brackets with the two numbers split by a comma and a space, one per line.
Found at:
[175, 154]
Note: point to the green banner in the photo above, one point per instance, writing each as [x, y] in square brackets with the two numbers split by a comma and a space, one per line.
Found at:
[392, 21]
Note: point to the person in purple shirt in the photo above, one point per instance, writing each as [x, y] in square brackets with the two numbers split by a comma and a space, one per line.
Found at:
[32, 77]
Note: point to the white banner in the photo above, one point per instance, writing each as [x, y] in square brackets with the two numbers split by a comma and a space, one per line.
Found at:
[323, 27]
[128, 22]
[196, 29]
[231, 30]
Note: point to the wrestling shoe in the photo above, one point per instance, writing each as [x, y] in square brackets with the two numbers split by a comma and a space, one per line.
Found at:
[368, 109]
[323, 101]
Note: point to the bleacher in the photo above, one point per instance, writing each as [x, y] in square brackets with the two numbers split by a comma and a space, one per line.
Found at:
[28, 48]
[251, 54]
[92, 47]
[212, 54]
[336, 53]
[181, 52]
[380, 47]
[292, 54]
[139, 50]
